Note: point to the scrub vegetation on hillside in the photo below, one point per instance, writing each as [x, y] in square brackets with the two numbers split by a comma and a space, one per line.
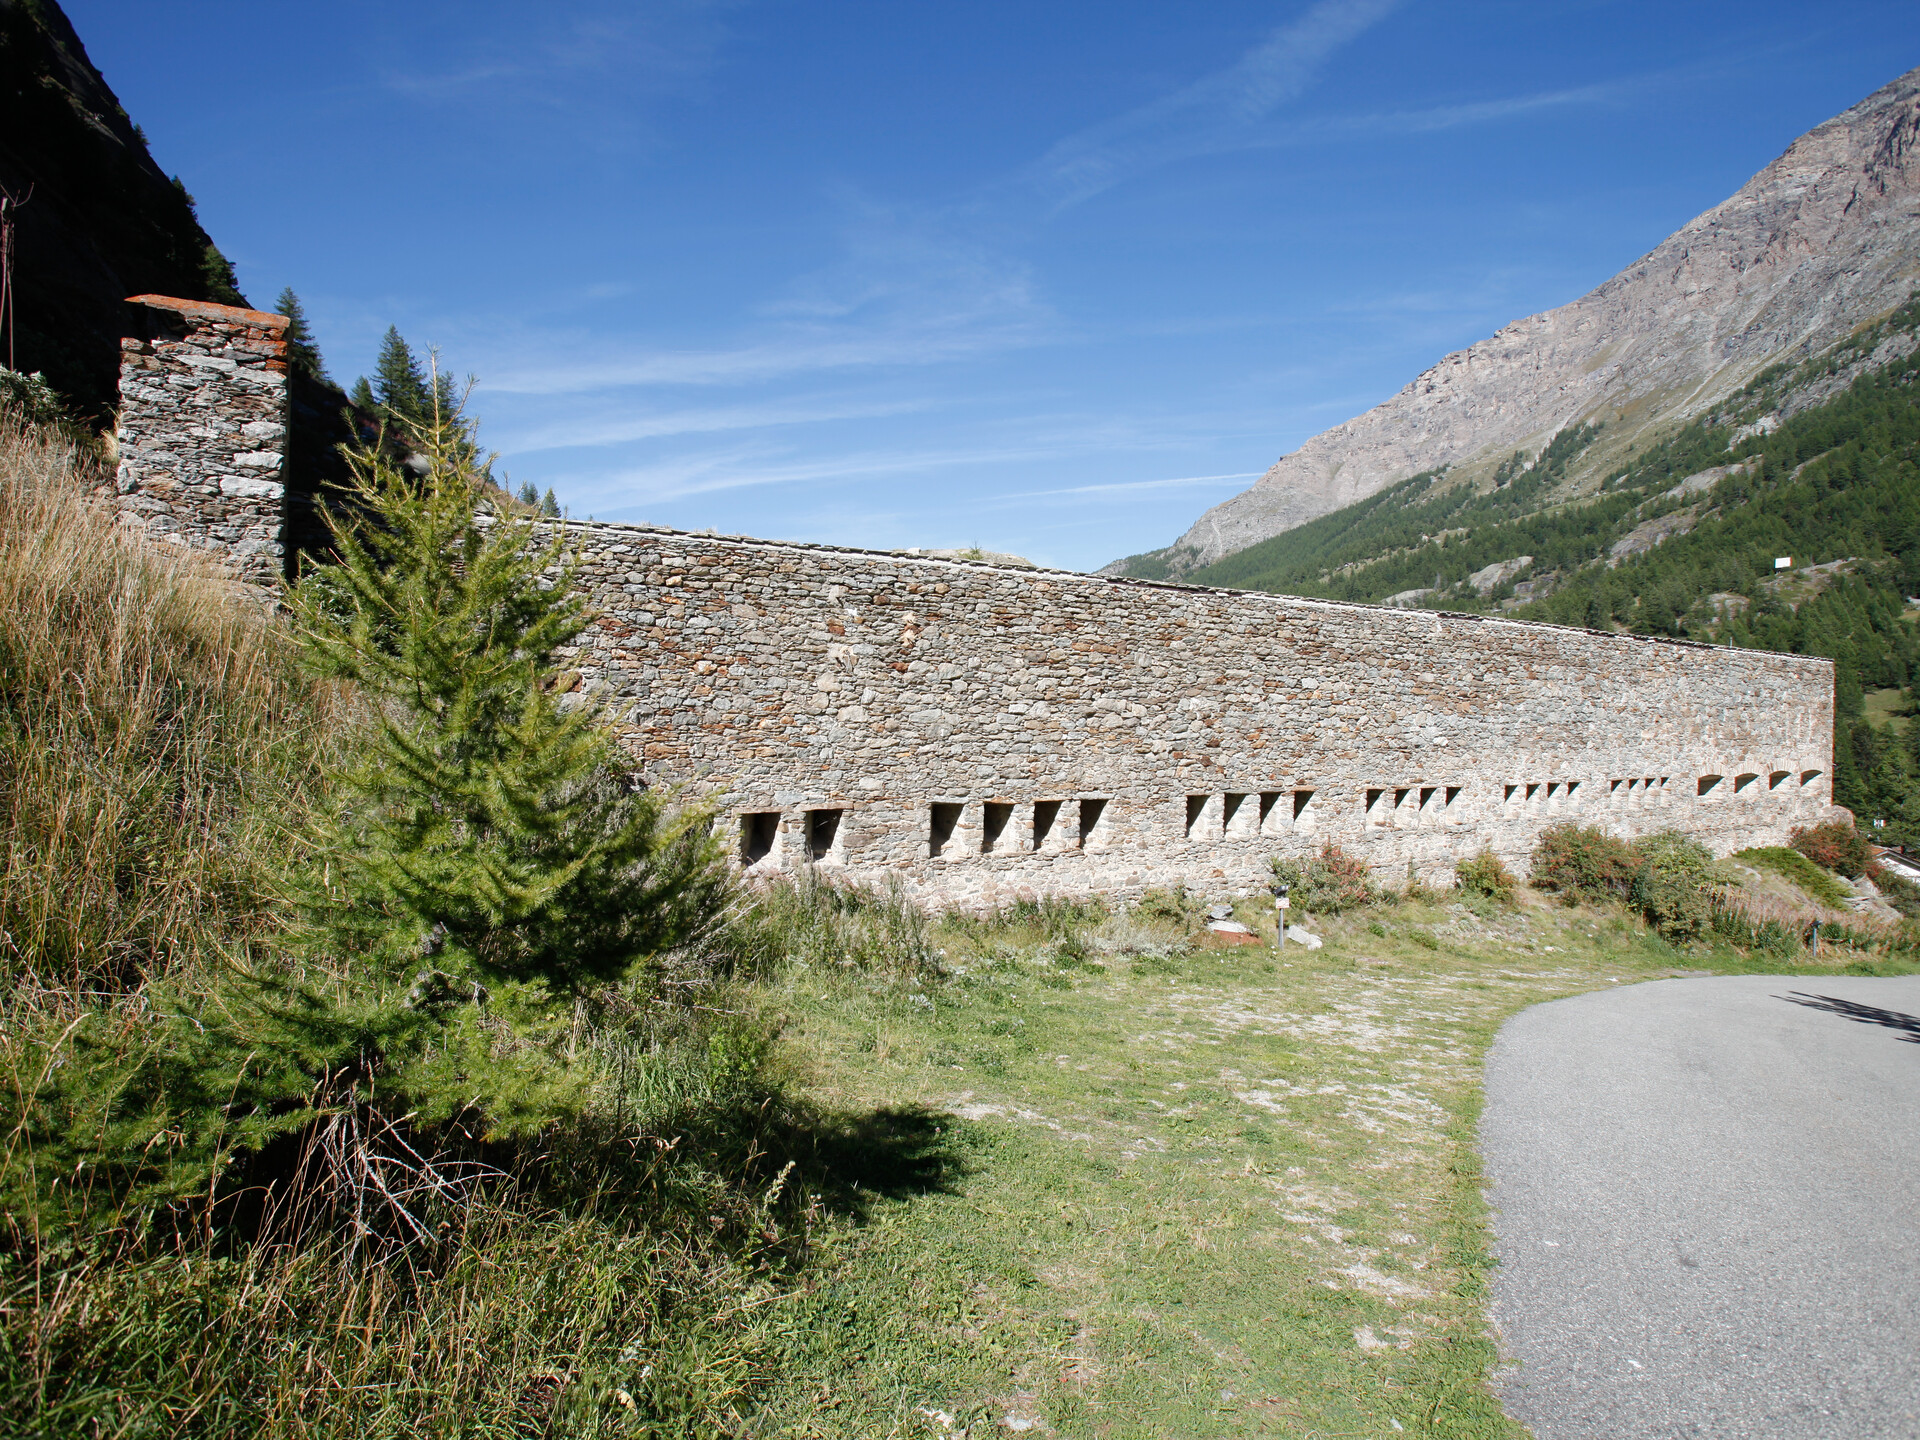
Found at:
[383, 1059]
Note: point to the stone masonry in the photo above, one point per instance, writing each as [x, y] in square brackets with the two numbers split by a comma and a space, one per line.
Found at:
[986, 732]
[202, 431]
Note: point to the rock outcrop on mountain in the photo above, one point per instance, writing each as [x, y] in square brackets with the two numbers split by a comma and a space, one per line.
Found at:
[99, 220]
[1824, 239]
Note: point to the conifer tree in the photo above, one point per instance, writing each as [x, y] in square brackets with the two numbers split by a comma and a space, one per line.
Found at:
[399, 384]
[363, 397]
[549, 505]
[303, 355]
[493, 858]
[487, 869]
[528, 495]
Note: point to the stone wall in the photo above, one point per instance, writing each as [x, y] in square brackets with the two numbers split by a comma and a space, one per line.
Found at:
[202, 431]
[983, 732]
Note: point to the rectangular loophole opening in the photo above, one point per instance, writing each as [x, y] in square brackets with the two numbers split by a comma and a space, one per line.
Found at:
[1453, 794]
[1092, 811]
[994, 816]
[1270, 812]
[1744, 784]
[1778, 778]
[1302, 807]
[1236, 816]
[1427, 807]
[823, 833]
[1807, 777]
[1706, 785]
[943, 817]
[1045, 813]
[1376, 812]
[1196, 812]
[759, 829]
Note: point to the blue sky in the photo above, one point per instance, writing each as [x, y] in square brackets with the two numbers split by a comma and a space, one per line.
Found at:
[1047, 278]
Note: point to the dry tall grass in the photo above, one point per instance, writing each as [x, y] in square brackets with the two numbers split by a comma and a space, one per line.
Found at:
[149, 722]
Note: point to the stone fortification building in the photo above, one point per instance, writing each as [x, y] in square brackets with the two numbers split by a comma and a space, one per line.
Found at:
[983, 732]
[980, 731]
[202, 430]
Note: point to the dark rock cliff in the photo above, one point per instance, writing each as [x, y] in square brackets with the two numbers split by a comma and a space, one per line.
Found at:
[101, 220]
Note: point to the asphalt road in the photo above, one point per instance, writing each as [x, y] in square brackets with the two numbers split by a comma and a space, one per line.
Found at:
[1707, 1209]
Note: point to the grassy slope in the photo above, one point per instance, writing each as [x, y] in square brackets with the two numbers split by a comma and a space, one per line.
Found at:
[1197, 1193]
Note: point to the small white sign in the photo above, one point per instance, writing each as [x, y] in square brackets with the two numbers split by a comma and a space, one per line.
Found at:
[1783, 562]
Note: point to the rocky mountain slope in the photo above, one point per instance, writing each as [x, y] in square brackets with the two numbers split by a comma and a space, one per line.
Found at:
[100, 220]
[1822, 240]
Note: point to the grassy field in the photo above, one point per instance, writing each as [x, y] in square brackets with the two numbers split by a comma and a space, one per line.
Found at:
[1185, 1191]
[1888, 710]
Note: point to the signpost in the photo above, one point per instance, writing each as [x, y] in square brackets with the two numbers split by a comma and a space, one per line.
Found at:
[1279, 915]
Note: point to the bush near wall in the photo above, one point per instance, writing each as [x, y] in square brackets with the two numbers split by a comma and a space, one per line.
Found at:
[1484, 875]
[1328, 883]
[1834, 846]
[1666, 876]
[1583, 862]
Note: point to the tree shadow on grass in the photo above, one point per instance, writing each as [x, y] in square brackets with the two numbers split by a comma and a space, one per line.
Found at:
[1865, 1014]
[845, 1161]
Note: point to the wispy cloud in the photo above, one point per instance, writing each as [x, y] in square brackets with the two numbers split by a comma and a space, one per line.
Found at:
[743, 468]
[1128, 487]
[619, 428]
[912, 286]
[659, 48]
[1215, 113]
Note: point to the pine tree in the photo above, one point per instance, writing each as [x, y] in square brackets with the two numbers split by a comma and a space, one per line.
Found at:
[549, 505]
[492, 859]
[399, 384]
[528, 495]
[363, 397]
[303, 355]
[488, 867]
[216, 275]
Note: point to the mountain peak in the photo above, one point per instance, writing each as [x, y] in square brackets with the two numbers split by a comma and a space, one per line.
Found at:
[1823, 240]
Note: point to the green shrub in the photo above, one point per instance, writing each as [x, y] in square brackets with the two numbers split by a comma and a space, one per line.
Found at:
[1328, 883]
[1834, 846]
[1791, 865]
[1176, 905]
[1899, 892]
[1582, 862]
[1486, 877]
[1672, 885]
